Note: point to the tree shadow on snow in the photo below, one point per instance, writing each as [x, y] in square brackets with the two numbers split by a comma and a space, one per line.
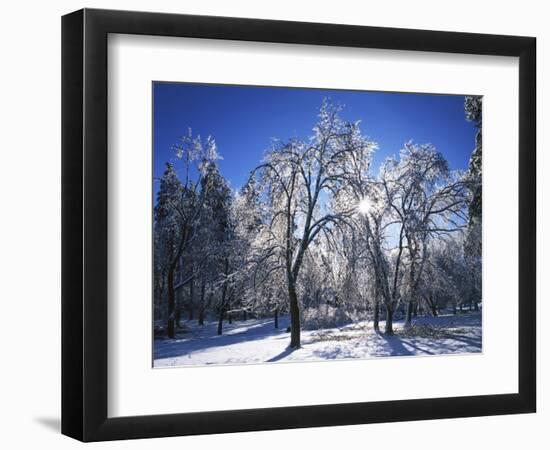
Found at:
[178, 347]
[396, 346]
[283, 354]
[409, 347]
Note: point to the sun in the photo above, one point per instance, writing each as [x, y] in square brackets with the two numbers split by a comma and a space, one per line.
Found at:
[364, 206]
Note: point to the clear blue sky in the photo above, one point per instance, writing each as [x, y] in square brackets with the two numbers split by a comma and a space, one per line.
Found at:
[243, 119]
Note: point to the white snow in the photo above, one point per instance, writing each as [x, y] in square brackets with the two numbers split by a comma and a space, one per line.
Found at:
[257, 341]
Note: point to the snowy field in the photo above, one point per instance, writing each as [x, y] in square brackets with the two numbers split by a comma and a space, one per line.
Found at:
[257, 341]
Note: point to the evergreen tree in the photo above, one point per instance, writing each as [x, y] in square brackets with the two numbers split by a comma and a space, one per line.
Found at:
[169, 235]
[473, 109]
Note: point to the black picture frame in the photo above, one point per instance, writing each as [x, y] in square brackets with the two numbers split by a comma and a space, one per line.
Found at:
[84, 224]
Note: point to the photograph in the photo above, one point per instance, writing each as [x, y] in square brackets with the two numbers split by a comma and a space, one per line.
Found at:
[295, 224]
[275, 226]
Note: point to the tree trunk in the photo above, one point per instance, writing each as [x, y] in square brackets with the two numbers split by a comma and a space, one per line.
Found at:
[220, 320]
[276, 317]
[178, 315]
[245, 317]
[191, 298]
[389, 320]
[170, 329]
[201, 306]
[171, 289]
[376, 319]
[159, 292]
[408, 315]
[294, 317]
[223, 305]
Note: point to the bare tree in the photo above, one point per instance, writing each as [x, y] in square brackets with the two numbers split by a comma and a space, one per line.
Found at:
[425, 199]
[297, 178]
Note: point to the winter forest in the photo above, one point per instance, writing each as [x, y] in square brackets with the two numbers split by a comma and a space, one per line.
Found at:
[331, 247]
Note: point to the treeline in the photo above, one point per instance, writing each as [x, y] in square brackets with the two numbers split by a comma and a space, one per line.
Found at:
[316, 234]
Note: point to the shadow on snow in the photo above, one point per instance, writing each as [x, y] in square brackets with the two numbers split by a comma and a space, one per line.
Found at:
[206, 337]
[464, 336]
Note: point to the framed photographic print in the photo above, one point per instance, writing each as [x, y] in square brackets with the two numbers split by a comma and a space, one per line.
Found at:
[274, 224]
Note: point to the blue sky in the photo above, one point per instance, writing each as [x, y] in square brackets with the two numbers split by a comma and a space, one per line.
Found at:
[243, 119]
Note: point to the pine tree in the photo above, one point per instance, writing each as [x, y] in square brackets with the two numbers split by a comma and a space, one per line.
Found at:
[217, 230]
[473, 109]
[170, 238]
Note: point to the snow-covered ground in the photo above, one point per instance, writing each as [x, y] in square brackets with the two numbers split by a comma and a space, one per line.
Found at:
[257, 341]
